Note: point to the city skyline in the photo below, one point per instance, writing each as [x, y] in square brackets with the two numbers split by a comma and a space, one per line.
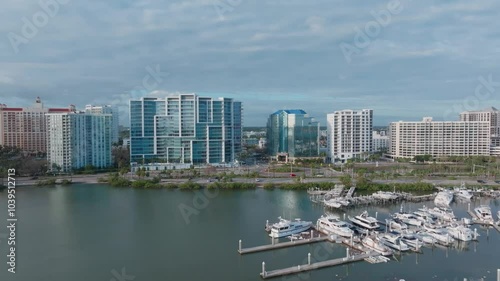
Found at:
[426, 53]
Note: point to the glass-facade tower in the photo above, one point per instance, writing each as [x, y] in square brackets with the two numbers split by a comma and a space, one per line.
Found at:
[292, 132]
[185, 128]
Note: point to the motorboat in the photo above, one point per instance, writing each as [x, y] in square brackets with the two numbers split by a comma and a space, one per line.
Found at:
[412, 240]
[393, 241]
[424, 217]
[463, 194]
[385, 195]
[441, 235]
[376, 246]
[333, 225]
[445, 214]
[407, 218]
[483, 213]
[396, 226]
[333, 203]
[443, 198]
[365, 221]
[285, 227]
[460, 232]
[426, 238]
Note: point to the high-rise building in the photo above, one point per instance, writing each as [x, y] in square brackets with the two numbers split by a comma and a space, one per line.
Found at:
[107, 109]
[439, 138]
[380, 141]
[491, 115]
[349, 134]
[77, 139]
[185, 128]
[292, 132]
[26, 128]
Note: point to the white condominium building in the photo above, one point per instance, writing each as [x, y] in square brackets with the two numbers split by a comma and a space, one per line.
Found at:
[349, 134]
[77, 139]
[491, 115]
[439, 138]
[380, 141]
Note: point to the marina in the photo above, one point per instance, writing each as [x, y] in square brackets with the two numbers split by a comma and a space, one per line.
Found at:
[366, 238]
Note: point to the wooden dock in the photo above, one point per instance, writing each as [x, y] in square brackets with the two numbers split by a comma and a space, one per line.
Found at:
[317, 265]
[270, 247]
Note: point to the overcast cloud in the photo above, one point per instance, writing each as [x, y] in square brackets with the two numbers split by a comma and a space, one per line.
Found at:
[270, 54]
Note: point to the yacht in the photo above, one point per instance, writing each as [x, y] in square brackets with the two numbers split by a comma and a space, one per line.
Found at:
[463, 193]
[393, 241]
[333, 203]
[424, 217]
[333, 225]
[426, 238]
[365, 221]
[439, 234]
[411, 240]
[460, 232]
[407, 218]
[445, 214]
[483, 213]
[385, 195]
[285, 228]
[396, 226]
[443, 198]
[376, 246]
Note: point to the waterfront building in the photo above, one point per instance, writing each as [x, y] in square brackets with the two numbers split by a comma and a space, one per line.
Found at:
[349, 134]
[26, 128]
[439, 138]
[294, 133]
[491, 115]
[78, 139]
[107, 109]
[185, 128]
[380, 141]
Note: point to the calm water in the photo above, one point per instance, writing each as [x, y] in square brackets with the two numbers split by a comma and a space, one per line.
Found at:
[87, 232]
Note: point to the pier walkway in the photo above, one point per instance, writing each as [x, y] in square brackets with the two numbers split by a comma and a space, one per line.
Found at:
[270, 247]
[312, 266]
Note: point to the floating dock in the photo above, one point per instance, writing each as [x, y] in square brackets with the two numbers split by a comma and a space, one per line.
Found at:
[312, 266]
[312, 239]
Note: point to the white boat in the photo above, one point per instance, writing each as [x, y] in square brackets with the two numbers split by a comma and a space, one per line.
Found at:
[285, 228]
[376, 246]
[333, 225]
[407, 218]
[393, 241]
[424, 217]
[385, 195]
[365, 221]
[483, 213]
[445, 214]
[443, 198]
[333, 203]
[396, 225]
[463, 194]
[441, 235]
[498, 215]
[412, 240]
[426, 238]
[460, 232]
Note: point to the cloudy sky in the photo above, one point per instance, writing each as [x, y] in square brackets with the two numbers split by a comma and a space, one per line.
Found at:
[405, 60]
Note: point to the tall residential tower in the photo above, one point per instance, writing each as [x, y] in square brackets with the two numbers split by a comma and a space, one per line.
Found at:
[185, 128]
[349, 134]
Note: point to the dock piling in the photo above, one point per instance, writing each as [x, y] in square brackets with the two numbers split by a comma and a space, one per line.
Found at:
[498, 274]
[347, 250]
[376, 215]
[309, 259]
[239, 248]
[263, 269]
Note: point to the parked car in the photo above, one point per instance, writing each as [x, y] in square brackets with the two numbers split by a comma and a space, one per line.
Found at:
[481, 181]
[497, 181]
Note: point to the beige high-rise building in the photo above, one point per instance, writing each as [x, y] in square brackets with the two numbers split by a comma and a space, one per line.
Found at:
[491, 115]
[26, 128]
[439, 138]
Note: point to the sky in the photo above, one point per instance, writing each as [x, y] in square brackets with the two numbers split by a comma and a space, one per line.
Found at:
[404, 59]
